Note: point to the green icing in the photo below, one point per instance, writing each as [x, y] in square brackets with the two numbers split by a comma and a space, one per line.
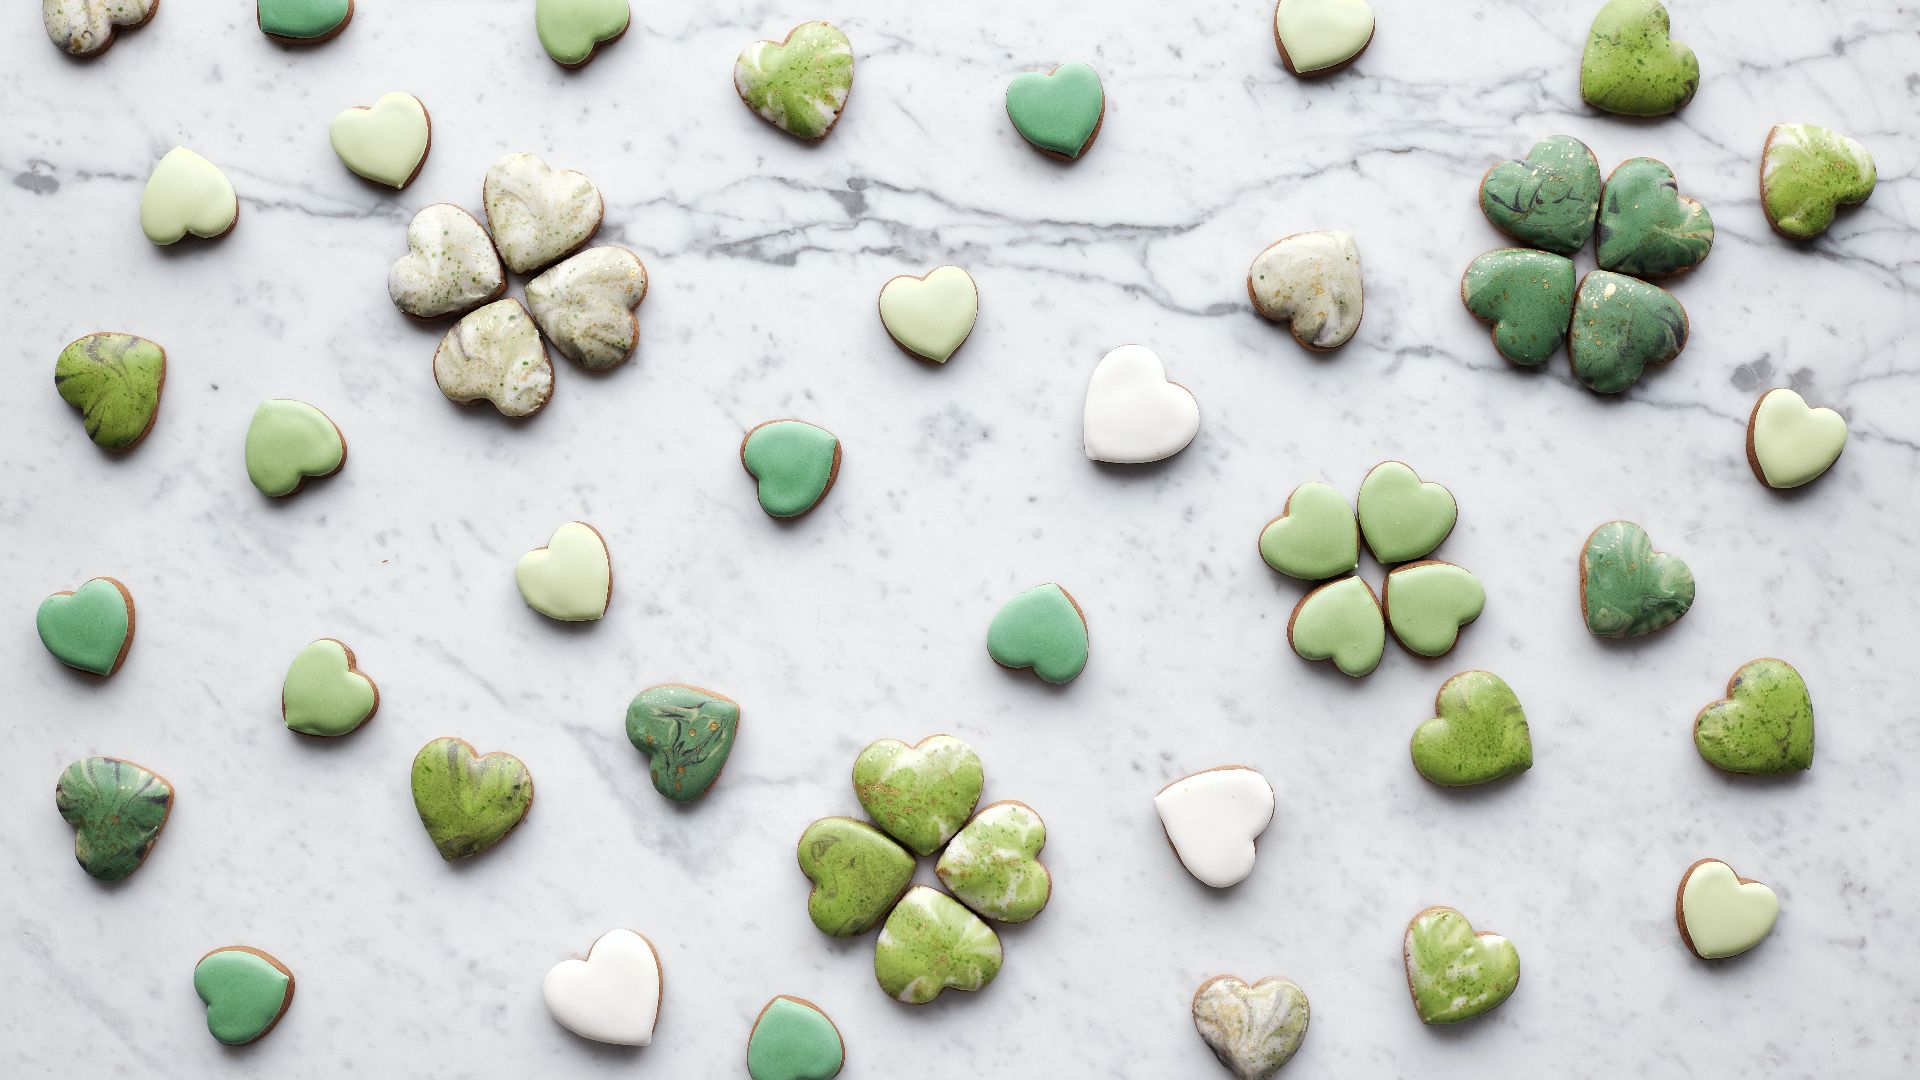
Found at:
[794, 1040]
[1647, 228]
[1402, 517]
[931, 943]
[117, 810]
[1315, 536]
[324, 694]
[1806, 172]
[114, 380]
[1428, 602]
[1041, 629]
[686, 733]
[1058, 111]
[303, 20]
[571, 29]
[993, 866]
[1765, 724]
[1454, 973]
[1477, 735]
[1626, 588]
[1527, 296]
[245, 994]
[919, 794]
[1548, 199]
[795, 463]
[467, 802]
[90, 628]
[288, 442]
[798, 85]
[857, 875]
[1620, 326]
[1632, 65]
[1340, 622]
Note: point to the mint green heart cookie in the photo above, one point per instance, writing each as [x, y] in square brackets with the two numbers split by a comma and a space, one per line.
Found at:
[793, 1040]
[798, 85]
[1527, 296]
[795, 463]
[324, 694]
[468, 802]
[290, 442]
[1043, 629]
[305, 22]
[1428, 602]
[115, 382]
[1340, 622]
[1315, 536]
[1626, 588]
[1402, 517]
[1647, 228]
[857, 873]
[1621, 326]
[571, 30]
[117, 810]
[919, 794]
[1058, 111]
[246, 992]
[687, 733]
[1454, 973]
[1478, 733]
[1632, 65]
[993, 865]
[1763, 726]
[1548, 199]
[1806, 173]
[89, 629]
[929, 944]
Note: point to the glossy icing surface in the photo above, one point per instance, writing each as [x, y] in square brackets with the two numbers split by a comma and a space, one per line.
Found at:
[1454, 972]
[1252, 1030]
[798, 85]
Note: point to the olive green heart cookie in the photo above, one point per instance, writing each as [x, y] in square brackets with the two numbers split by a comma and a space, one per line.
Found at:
[117, 810]
[1478, 733]
[919, 794]
[931, 943]
[1527, 296]
[1622, 325]
[993, 865]
[1806, 173]
[1764, 725]
[1548, 199]
[857, 873]
[467, 802]
[687, 734]
[1628, 589]
[1632, 65]
[115, 382]
[1647, 228]
[1315, 537]
[1455, 973]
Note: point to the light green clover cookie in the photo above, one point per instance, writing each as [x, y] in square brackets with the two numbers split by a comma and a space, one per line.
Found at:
[571, 30]
[793, 1039]
[1621, 326]
[1340, 622]
[467, 802]
[794, 462]
[1478, 733]
[921, 794]
[1806, 173]
[1253, 1030]
[1764, 725]
[1058, 111]
[117, 810]
[993, 865]
[303, 22]
[1527, 296]
[798, 85]
[1402, 517]
[1647, 228]
[857, 873]
[1455, 973]
[1427, 603]
[115, 381]
[1315, 537]
[290, 442]
[687, 734]
[930, 317]
[89, 629]
[571, 579]
[1548, 199]
[186, 193]
[1790, 443]
[385, 142]
[931, 943]
[324, 693]
[1632, 65]
[1043, 629]
[246, 993]
[1626, 588]
[1720, 913]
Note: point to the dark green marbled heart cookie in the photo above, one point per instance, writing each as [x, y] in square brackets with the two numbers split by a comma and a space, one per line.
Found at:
[687, 733]
[1527, 296]
[1628, 589]
[1647, 228]
[1620, 326]
[117, 810]
[1548, 199]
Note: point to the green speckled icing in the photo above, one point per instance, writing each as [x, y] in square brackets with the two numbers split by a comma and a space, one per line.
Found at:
[794, 462]
[1315, 537]
[1403, 517]
[798, 85]
[1058, 111]
[117, 810]
[922, 794]
[1548, 199]
[450, 266]
[495, 355]
[794, 1040]
[245, 993]
[1806, 172]
[114, 380]
[931, 943]
[993, 866]
[90, 628]
[585, 306]
[539, 214]
[324, 694]
[288, 442]
[857, 874]
[1527, 296]
[1647, 228]
[468, 802]
[1454, 973]
[1253, 1030]
[1764, 725]
[1627, 588]
[1632, 65]
[1041, 629]
[1340, 622]
[1478, 735]
[1428, 602]
[1620, 326]
[687, 734]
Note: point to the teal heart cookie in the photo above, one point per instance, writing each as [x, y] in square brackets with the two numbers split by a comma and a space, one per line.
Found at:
[857, 873]
[1763, 726]
[931, 943]
[1527, 296]
[1626, 588]
[795, 463]
[468, 803]
[1402, 517]
[921, 794]
[115, 382]
[1043, 629]
[304, 22]
[1621, 326]
[324, 694]
[1647, 228]
[89, 629]
[1549, 198]
[1455, 973]
[1340, 622]
[1058, 111]
[686, 733]
[117, 810]
[1632, 65]
[993, 865]
[246, 993]
[1806, 173]
[571, 30]
[793, 1040]
[290, 442]
[798, 85]
[1478, 733]
[1428, 602]
[1315, 536]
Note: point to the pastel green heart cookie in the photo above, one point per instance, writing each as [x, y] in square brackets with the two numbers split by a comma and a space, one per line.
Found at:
[993, 865]
[1058, 111]
[929, 944]
[1527, 296]
[570, 30]
[1315, 536]
[187, 194]
[89, 629]
[115, 381]
[795, 463]
[930, 317]
[1043, 629]
[467, 802]
[290, 442]
[1626, 588]
[1646, 227]
[1764, 725]
[303, 22]
[1427, 603]
[117, 810]
[793, 1039]
[1548, 199]
[920, 794]
[1402, 517]
[1632, 65]
[385, 142]
[1318, 37]
[1806, 173]
[1478, 733]
[798, 85]
[1340, 622]
[857, 873]
[1622, 325]
[1789, 443]
[1252, 1030]
[1455, 973]
[324, 693]
[686, 733]
[246, 993]
[1720, 913]
[571, 579]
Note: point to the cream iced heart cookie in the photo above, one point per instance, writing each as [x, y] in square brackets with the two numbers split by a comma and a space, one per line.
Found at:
[612, 996]
[1720, 913]
[572, 31]
[290, 442]
[1319, 37]
[798, 85]
[86, 27]
[1311, 281]
[325, 694]
[1808, 172]
[539, 215]
[495, 354]
[571, 579]
[586, 306]
[1134, 413]
[303, 22]
[1454, 972]
[1253, 1030]
[187, 194]
[930, 317]
[450, 266]
[1790, 443]
[1214, 820]
[386, 142]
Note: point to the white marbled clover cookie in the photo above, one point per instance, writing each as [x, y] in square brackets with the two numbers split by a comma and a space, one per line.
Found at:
[495, 354]
[85, 27]
[1253, 1030]
[539, 215]
[585, 305]
[1312, 282]
[450, 266]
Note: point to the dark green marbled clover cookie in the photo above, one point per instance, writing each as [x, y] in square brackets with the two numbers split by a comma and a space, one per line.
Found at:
[117, 810]
[468, 802]
[1764, 725]
[1632, 65]
[1647, 228]
[1621, 325]
[1549, 198]
[687, 733]
[1527, 296]
[1628, 589]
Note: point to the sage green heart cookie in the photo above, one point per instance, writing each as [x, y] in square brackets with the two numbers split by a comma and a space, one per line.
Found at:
[324, 693]
[798, 85]
[1478, 733]
[1454, 973]
[290, 442]
[117, 810]
[793, 1040]
[929, 944]
[1527, 296]
[1806, 173]
[794, 462]
[1626, 588]
[467, 802]
[246, 993]
[1548, 199]
[919, 794]
[1340, 622]
[570, 30]
[1315, 536]
[1043, 629]
[1621, 325]
[687, 734]
[993, 865]
[115, 382]
[1428, 602]
[89, 629]
[1058, 111]
[1402, 517]
[1252, 1030]
[1647, 228]
[857, 873]
[1632, 65]
[1763, 726]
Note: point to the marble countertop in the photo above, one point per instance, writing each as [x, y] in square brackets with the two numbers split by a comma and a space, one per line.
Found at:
[960, 486]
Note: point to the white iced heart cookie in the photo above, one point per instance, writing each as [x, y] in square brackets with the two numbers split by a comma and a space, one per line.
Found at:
[1212, 819]
[1133, 413]
[450, 266]
[571, 579]
[1253, 1030]
[495, 353]
[1317, 36]
[930, 317]
[85, 27]
[1312, 282]
[586, 304]
[187, 194]
[1789, 443]
[1721, 913]
[613, 996]
[539, 215]
[385, 142]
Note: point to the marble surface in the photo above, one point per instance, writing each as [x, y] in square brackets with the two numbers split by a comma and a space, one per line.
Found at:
[961, 485]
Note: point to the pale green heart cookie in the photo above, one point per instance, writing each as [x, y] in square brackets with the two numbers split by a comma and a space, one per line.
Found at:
[794, 462]
[571, 579]
[930, 317]
[115, 381]
[324, 693]
[89, 629]
[117, 810]
[687, 734]
[1058, 111]
[1806, 172]
[857, 873]
[1043, 629]
[290, 442]
[1252, 1030]
[798, 85]
[1340, 622]
[1790, 443]
[1428, 602]
[1549, 199]
[993, 865]
[467, 802]
[1527, 296]
[1315, 536]
[1454, 973]
[570, 30]
[930, 943]
[793, 1040]
[1478, 733]
[1764, 725]
[385, 142]
[1621, 326]
[1720, 913]
[1319, 36]
[1632, 65]
[187, 194]
[246, 993]
[1626, 588]
[919, 794]
[1647, 228]
[1402, 517]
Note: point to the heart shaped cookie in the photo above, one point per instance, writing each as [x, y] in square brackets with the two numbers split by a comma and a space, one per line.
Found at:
[1427, 603]
[571, 579]
[450, 266]
[1764, 725]
[115, 381]
[920, 794]
[1214, 819]
[1547, 199]
[930, 317]
[290, 442]
[798, 85]
[303, 22]
[1720, 913]
[572, 30]
[1632, 65]
[1042, 629]
[1311, 282]
[1790, 443]
[1646, 227]
[1455, 973]
[1402, 517]
[467, 802]
[686, 733]
[246, 993]
[86, 27]
[187, 194]
[539, 215]
[1134, 413]
[494, 354]
[612, 996]
[117, 810]
[795, 464]
[586, 306]
[1626, 588]
[324, 694]
[1341, 622]
[931, 943]
[386, 142]
[1253, 1030]
[1527, 296]
[993, 865]
[1806, 173]
[1478, 733]
[1060, 111]
[1319, 37]
[792, 1039]
[1315, 536]
[857, 873]
[1621, 326]
[89, 629]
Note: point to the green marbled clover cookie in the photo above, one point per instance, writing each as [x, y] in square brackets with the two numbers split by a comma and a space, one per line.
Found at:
[117, 810]
[931, 943]
[857, 873]
[246, 993]
[1315, 537]
[1647, 228]
[687, 734]
[1632, 65]
[115, 382]
[1527, 296]
[798, 85]
[993, 865]
[1763, 726]
[1453, 972]
[1628, 589]
[1621, 326]
[1806, 173]
[921, 794]
[467, 802]
[1549, 198]
[1478, 733]
[1252, 1030]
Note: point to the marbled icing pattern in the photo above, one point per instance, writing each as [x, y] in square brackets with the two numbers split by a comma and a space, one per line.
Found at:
[993, 866]
[117, 810]
[1806, 172]
[86, 27]
[686, 733]
[920, 794]
[450, 266]
[1632, 65]
[539, 215]
[1310, 281]
[586, 305]
[1253, 1030]
[1626, 588]
[1548, 199]
[931, 943]
[1647, 228]
[1764, 725]
[115, 381]
[495, 354]
[468, 802]
[798, 85]
[1621, 325]
[857, 873]
[1527, 296]
[1478, 734]
[1454, 973]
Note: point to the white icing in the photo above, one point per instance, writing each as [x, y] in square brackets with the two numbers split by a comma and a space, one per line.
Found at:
[1133, 413]
[585, 305]
[538, 214]
[613, 996]
[450, 266]
[1311, 280]
[84, 27]
[495, 354]
[1212, 820]
[1724, 915]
